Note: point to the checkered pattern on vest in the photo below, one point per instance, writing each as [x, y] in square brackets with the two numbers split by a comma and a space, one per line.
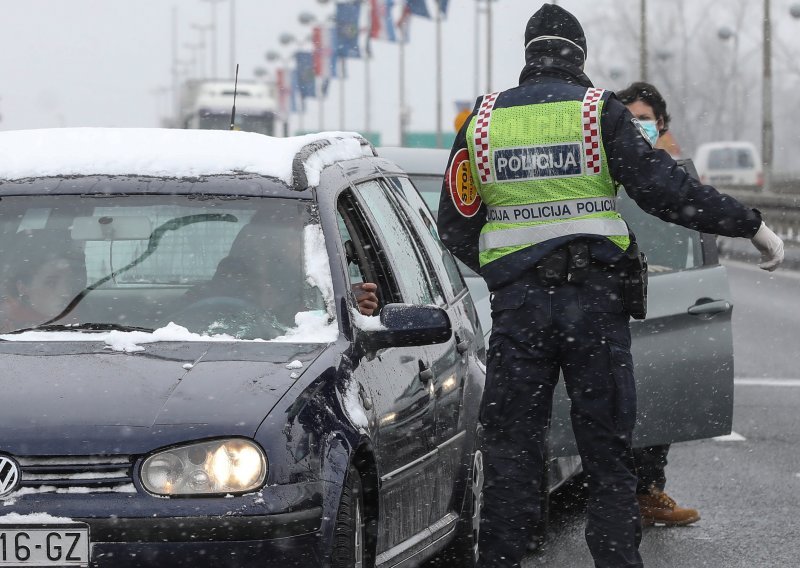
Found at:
[483, 159]
[591, 131]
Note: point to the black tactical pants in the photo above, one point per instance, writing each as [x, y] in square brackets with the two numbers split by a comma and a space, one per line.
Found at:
[584, 331]
[650, 463]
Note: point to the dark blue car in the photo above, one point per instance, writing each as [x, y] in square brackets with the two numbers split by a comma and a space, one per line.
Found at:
[188, 377]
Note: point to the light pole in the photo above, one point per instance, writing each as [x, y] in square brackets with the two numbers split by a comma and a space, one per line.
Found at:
[202, 29]
[767, 133]
[194, 48]
[214, 27]
[725, 33]
[643, 41]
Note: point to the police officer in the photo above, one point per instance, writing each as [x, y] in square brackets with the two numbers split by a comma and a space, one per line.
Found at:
[529, 200]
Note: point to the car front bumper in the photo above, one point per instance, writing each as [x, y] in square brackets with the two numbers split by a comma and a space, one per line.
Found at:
[279, 526]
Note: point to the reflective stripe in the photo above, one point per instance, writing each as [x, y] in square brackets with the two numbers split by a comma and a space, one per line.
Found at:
[551, 210]
[540, 233]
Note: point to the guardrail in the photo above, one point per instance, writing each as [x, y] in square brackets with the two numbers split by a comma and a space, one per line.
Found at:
[781, 211]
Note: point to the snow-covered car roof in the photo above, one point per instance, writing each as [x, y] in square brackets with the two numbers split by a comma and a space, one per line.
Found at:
[173, 153]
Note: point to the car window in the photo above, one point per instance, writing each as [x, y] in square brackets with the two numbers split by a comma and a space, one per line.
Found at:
[730, 159]
[430, 188]
[237, 267]
[408, 265]
[425, 224]
[365, 258]
[668, 247]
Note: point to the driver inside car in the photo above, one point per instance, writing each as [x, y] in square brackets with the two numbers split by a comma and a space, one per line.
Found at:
[41, 272]
[259, 288]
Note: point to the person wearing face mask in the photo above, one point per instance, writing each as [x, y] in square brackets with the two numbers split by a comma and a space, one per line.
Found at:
[650, 109]
[529, 201]
[656, 507]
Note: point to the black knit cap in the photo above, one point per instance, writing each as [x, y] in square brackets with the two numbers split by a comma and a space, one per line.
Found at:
[553, 20]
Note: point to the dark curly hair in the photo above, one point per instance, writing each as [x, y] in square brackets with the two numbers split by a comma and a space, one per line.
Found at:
[648, 94]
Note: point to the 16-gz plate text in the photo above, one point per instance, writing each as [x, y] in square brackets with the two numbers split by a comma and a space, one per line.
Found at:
[44, 545]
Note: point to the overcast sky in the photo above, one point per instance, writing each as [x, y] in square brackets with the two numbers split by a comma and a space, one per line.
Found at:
[108, 62]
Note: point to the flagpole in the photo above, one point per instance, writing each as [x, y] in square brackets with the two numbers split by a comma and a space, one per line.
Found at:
[489, 46]
[367, 91]
[343, 69]
[402, 84]
[438, 74]
[477, 62]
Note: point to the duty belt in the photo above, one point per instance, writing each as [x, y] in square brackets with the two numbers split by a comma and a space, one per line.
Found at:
[551, 210]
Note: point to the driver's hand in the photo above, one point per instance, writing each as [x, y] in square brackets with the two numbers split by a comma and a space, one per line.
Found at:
[366, 297]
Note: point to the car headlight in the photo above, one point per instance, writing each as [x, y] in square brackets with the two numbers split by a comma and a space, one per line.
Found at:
[217, 467]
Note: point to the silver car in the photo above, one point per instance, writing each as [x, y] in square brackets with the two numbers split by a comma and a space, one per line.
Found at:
[683, 350]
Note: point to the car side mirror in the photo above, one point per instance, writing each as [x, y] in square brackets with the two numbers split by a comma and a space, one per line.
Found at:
[406, 325]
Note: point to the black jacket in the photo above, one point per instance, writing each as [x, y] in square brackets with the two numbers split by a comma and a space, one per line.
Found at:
[650, 177]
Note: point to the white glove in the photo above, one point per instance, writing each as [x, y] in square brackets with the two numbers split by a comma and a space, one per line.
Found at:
[770, 246]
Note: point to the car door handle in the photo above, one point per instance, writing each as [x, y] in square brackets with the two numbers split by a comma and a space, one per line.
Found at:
[425, 373]
[709, 307]
[461, 345]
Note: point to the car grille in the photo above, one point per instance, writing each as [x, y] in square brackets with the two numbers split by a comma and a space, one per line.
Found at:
[90, 472]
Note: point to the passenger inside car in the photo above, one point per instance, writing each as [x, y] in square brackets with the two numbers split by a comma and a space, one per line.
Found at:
[41, 272]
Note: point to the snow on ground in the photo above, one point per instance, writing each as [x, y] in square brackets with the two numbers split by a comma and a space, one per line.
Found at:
[172, 153]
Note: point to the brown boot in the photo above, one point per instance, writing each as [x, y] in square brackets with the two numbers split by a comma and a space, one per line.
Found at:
[658, 508]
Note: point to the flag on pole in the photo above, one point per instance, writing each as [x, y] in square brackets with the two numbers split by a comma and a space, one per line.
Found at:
[426, 8]
[306, 83]
[348, 15]
[381, 21]
[324, 61]
[403, 24]
[283, 91]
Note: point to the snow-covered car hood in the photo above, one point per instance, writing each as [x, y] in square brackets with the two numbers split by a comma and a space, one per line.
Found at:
[66, 398]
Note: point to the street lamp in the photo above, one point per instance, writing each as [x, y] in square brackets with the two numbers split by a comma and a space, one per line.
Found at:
[214, 28]
[194, 48]
[202, 29]
[725, 33]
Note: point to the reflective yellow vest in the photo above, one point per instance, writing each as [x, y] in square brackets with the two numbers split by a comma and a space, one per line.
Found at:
[542, 173]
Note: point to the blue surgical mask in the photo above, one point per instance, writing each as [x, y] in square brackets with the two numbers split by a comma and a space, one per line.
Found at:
[651, 129]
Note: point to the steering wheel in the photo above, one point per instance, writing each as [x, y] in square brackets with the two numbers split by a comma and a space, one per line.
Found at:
[226, 314]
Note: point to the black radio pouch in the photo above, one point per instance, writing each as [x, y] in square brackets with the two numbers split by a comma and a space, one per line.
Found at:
[552, 269]
[635, 283]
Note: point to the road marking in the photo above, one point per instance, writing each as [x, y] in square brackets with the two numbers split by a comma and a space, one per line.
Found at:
[732, 437]
[766, 382]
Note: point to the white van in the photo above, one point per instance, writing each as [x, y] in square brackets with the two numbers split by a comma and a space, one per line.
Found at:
[729, 163]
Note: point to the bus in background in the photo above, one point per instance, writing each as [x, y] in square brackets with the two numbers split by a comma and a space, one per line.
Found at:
[207, 104]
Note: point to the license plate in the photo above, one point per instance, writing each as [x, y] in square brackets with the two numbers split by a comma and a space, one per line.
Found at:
[44, 545]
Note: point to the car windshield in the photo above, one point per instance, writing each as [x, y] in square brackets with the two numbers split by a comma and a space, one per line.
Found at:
[217, 265]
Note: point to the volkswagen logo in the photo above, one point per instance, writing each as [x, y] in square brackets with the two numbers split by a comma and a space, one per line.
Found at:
[9, 475]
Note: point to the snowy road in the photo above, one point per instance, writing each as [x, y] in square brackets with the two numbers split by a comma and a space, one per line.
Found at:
[746, 487]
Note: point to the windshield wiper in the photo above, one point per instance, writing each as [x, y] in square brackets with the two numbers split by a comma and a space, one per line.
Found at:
[82, 327]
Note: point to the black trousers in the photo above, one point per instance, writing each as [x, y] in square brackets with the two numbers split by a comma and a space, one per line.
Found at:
[584, 331]
[650, 463]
